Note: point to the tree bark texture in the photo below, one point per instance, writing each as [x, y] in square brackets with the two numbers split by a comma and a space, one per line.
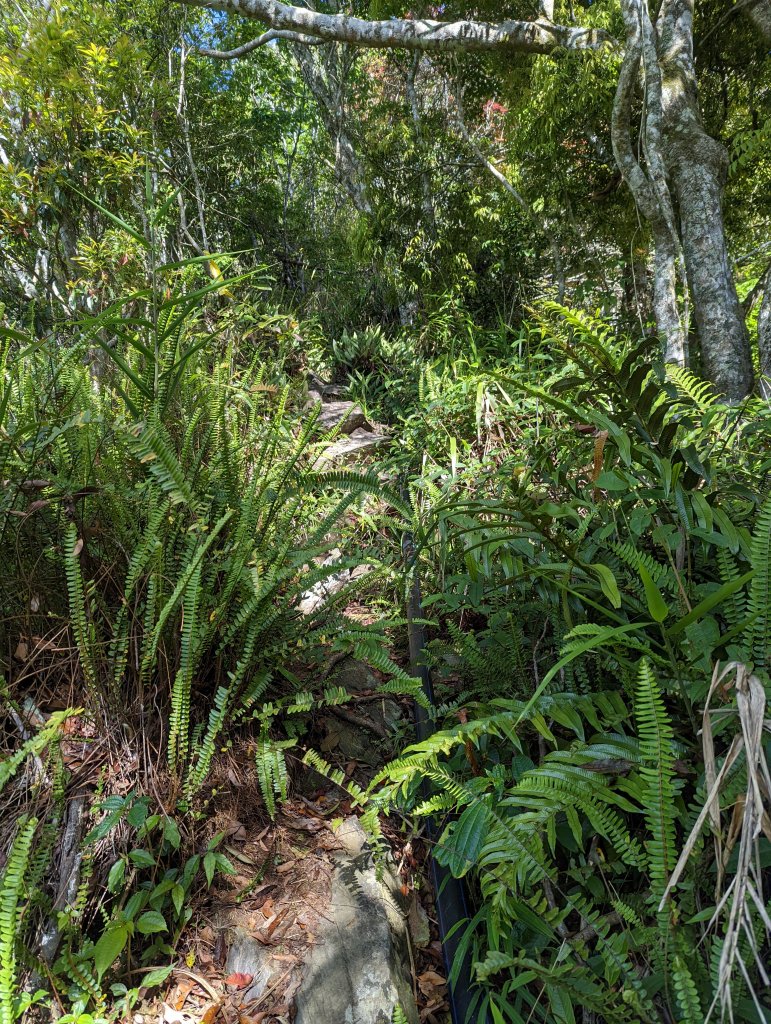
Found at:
[412, 34]
[697, 166]
[759, 13]
[764, 337]
[649, 187]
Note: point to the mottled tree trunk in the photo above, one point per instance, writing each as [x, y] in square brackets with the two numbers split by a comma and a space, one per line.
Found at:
[698, 170]
[648, 185]
[697, 167]
[666, 312]
[682, 163]
[764, 337]
[324, 72]
[759, 13]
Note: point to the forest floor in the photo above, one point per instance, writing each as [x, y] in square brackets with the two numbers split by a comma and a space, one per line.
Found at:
[248, 944]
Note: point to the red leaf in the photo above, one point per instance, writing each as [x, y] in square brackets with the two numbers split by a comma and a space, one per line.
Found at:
[239, 980]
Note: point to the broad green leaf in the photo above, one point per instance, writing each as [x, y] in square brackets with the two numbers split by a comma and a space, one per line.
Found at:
[157, 977]
[109, 947]
[657, 606]
[116, 875]
[142, 859]
[178, 897]
[607, 582]
[714, 599]
[210, 866]
[151, 922]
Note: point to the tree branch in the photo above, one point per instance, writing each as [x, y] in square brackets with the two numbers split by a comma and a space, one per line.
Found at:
[253, 44]
[411, 34]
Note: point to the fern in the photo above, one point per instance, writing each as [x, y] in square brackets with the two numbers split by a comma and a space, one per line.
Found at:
[12, 883]
[760, 588]
[691, 1011]
[657, 774]
[81, 625]
[179, 720]
[272, 774]
[35, 745]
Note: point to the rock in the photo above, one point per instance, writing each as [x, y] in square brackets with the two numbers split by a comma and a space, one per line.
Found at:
[320, 592]
[355, 676]
[248, 956]
[328, 391]
[417, 921]
[347, 415]
[349, 449]
[358, 970]
[355, 741]
[352, 741]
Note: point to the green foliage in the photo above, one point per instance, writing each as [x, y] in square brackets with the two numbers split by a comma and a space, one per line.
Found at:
[11, 907]
[593, 531]
[606, 571]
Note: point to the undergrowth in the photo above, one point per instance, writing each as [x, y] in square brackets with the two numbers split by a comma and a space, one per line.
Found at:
[593, 533]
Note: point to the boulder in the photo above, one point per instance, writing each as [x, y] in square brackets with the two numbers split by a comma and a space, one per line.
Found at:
[347, 415]
[358, 970]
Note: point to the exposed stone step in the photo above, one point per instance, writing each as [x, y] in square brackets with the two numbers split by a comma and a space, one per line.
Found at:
[348, 416]
[349, 449]
[358, 970]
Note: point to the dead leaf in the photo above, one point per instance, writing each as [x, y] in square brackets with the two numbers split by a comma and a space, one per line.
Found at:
[417, 921]
[172, 1016]
[239, 980]
[270, 926]
[21, 652]
[432, 985]
[240, 856]
[78, 547]
[210, 1013]
[182, 990]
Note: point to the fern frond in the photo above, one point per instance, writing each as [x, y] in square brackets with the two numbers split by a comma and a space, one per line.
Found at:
[760, 588]
[12, 883]
[657, 775]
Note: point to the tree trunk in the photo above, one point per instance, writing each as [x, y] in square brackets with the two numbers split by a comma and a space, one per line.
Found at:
[697, 167]
[324, 70]
[764, 337]
[665, 308]
[426, 193]
[649, 187]
[759, 13]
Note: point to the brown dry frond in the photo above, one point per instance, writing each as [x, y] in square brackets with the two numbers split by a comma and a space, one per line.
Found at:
[740, 904]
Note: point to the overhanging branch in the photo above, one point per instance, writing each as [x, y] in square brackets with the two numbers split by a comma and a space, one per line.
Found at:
[406, 33]
[253, 44]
